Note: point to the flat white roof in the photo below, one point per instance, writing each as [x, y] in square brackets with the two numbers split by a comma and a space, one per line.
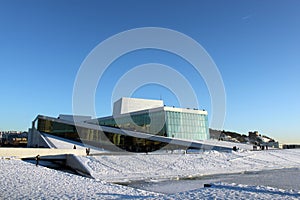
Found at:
[185, 110]
[126, 106]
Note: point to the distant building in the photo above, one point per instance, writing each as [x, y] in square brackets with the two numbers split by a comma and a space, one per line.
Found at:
[291, 146]
[14, 139]
[262, 140]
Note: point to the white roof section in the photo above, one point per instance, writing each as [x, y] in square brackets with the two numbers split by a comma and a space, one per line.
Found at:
[128, 105]
[185, 110]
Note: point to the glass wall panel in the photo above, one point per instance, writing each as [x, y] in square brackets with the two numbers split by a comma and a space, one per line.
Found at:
[167, 123]
[150, 122]
[106, 140]
[187, 125]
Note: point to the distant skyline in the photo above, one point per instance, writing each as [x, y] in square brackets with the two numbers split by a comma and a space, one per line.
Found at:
[254, 44]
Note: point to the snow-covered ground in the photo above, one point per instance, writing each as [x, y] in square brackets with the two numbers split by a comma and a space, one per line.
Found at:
[116, 168]
[22, 180]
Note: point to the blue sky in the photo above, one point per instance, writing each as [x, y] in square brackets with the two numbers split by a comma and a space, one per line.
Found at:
[255, 45]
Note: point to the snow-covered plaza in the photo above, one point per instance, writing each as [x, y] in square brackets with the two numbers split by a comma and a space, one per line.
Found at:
[160, 176]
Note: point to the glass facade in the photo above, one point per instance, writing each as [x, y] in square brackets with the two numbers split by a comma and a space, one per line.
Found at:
[187, 125]
[148, 122]
[106, 140]
[176, 124]
[68, 131]
[167, 122]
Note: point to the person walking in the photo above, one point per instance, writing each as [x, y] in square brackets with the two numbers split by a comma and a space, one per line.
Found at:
[87, 150]
[37, 159]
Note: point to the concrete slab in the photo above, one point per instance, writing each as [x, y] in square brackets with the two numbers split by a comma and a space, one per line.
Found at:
[32, 152]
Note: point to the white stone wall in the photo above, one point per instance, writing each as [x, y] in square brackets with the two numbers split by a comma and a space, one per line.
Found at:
[127, 105]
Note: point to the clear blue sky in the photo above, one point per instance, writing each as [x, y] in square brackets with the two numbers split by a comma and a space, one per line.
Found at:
[255, 44]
